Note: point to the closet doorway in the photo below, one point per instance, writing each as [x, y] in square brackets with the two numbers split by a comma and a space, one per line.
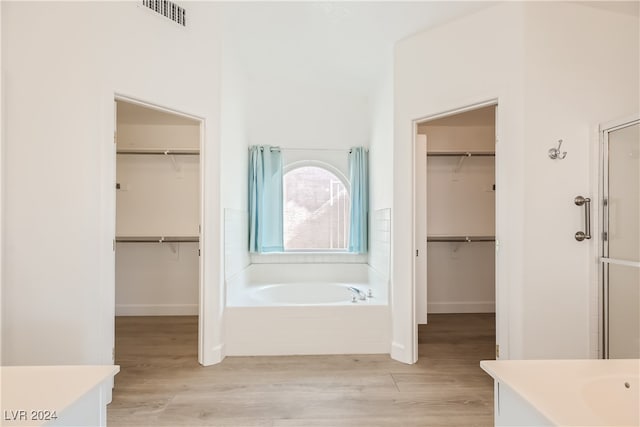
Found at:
[455, 222]
[158, 269]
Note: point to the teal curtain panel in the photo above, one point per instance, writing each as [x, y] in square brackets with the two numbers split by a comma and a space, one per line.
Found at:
[359, 216]
[265, 200]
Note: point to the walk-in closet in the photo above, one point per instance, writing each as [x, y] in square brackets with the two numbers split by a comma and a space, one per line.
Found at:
[158, 203]
[460, 214]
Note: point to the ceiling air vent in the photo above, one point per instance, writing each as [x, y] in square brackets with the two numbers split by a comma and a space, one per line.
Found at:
[168, 9]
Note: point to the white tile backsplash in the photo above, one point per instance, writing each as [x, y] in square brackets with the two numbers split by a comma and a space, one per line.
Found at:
[236, 242]
[309, 258]
[380, 242]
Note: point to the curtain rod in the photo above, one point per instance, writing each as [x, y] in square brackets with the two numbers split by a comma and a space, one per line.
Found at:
[312, 149]
[309, 149]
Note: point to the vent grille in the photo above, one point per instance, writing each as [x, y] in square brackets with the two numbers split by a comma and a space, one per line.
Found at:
[168, 9]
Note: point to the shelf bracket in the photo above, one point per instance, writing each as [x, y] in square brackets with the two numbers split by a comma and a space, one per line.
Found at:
[462, 158]
[175, 164]
[467, 239]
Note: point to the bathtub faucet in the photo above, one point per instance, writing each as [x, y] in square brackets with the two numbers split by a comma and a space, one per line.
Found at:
[358, 292]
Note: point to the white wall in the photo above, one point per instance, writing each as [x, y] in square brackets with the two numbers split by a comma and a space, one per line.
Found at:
[432, 75]
[293, 96]
[460, 277]
[235, 167]
[234, 141]
[266, 106]
[158, 195]
[58, 291]
[158, 136]
[2, 121]
[308, 119]
[307, 122]
[459, 137]
[381, 147]
[545, 63]
[590, 76]
[460, 197]
[157, 279]
[303, 115]
[381, 173]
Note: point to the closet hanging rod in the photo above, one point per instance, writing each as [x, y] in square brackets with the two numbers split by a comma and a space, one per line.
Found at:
[467, 239]
[161, 152]
[460, 153]
[157, 239]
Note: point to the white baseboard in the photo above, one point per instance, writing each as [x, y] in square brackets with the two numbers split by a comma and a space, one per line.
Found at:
[156, 309]
[214, 356]
[461, 307]
[399, 353]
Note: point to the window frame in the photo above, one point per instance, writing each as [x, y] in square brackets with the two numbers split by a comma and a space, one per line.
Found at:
[289, 167]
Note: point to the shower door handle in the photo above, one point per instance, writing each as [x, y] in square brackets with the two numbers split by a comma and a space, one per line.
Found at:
[586, 234]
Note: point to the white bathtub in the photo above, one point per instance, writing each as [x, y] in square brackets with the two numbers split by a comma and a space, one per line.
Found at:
[286, 309]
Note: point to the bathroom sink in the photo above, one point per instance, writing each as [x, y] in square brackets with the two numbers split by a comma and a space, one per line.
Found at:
[614, 398]
[587, 392]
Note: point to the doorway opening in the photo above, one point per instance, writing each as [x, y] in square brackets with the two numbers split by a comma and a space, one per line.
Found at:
[454, 232]
[158, 216]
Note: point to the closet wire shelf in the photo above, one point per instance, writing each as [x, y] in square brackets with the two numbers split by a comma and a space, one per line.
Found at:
[467, 239]
[157, 239]
[160, 152]
[461, 153]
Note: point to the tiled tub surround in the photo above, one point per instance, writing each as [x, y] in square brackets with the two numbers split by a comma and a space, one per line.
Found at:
[300, 302]
[380, 241]
[287, 309]
[236, 238]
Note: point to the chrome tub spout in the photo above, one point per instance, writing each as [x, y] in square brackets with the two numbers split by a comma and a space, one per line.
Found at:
[358, 293]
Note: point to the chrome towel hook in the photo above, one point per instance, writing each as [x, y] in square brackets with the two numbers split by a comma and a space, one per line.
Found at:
[554, 153]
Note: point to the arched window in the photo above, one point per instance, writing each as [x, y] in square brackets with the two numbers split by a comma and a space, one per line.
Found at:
[316, 209]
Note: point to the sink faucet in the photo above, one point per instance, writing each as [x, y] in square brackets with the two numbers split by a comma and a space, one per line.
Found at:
[358, 292]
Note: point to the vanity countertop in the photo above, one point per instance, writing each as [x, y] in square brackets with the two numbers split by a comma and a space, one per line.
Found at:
[31, 394]
[575, 392]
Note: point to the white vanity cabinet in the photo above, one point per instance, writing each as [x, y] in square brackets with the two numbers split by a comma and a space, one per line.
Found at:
[511, 410]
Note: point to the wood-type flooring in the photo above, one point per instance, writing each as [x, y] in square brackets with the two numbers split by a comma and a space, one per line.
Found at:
[162, 384]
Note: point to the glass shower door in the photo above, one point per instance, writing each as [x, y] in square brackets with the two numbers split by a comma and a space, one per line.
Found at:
[621, 241]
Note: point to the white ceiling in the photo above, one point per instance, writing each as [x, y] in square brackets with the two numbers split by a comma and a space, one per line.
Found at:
[339, 44]
[345, 45]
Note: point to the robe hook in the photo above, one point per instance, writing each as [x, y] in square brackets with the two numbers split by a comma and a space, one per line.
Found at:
[554, 153]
